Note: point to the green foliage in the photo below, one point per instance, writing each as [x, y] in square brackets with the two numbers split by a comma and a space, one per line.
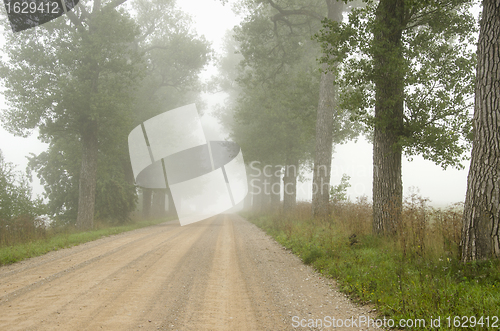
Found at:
[275, 112]
[274, 106]
[438, 70]
[58, 171]
[115, 199]
[374, 270]
[55, 96]
[18, 210]
[338, 193]
[56, 239]
[174, 55]
[72, 83]
[15, 196]
[100, 73]
[276, 120]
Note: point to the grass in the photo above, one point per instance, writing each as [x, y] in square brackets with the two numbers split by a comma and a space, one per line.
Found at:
[40, 242]
[416, 275]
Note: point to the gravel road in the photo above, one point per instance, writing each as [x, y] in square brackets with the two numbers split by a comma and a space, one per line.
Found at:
[220, 274]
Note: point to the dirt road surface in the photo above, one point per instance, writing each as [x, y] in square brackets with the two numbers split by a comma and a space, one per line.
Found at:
[219, 274]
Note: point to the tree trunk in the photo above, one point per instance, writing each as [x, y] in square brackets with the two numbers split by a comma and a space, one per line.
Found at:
[129, 177]
[88, 178]
[275, 188]
[159, 203]
[389, 89]
[266, 192]
[481, 220]
[255, 187]
[146, 202]
[324, 127]
[127, 169]
[290, 187]
[256, 195]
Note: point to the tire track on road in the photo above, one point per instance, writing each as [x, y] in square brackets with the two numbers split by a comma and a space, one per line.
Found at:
[219, 274]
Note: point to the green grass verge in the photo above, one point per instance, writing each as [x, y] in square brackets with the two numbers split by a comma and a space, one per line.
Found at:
[53, 242]
[373, 271]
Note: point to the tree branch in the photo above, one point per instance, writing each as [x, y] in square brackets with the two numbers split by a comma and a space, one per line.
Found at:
[296, 12]
[75, 20]
[156, 47]
[149, 31]
[113, 4]
[84, 14]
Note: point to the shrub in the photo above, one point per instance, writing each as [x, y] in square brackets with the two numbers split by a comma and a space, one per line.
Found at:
[415, 274]
[17, 208]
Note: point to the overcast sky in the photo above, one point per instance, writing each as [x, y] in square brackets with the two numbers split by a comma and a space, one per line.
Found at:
[212, 19]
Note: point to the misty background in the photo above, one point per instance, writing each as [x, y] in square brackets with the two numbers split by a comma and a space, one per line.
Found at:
[213, 20]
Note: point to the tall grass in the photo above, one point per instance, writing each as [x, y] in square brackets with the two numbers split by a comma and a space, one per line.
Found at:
[20, 229]
[25, 238]
[415, 274]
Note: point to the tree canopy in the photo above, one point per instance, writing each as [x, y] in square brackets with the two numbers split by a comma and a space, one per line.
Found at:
[15, 194]
[438, 71]
[405, 70]
[85, 81]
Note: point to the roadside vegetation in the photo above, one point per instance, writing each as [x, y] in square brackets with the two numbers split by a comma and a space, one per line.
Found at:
[29, 239]
[417, 274]
[24, 233]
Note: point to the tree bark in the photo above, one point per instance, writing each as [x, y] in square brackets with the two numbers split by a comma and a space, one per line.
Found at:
[290, 187]
[324, 126]
[389, 88]
[481, 219]
[275, 188]
[146, 202]
[88, 177]
[257, 197]
[266, 193]
[255, 188]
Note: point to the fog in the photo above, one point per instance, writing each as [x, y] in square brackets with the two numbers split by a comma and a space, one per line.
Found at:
[212, 19]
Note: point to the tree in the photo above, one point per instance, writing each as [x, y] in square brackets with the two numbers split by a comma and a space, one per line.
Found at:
[275, 126]
[327, 116]
[58, 171]
[147, 195]
[338, 193]
[275, 41]
[329, 120]
[270, 110]
[275, 115]
[74, 78]
[407, 74]
[90, 81]
[481, 220]
[174, 56]
[388, 78]
[15, 195]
